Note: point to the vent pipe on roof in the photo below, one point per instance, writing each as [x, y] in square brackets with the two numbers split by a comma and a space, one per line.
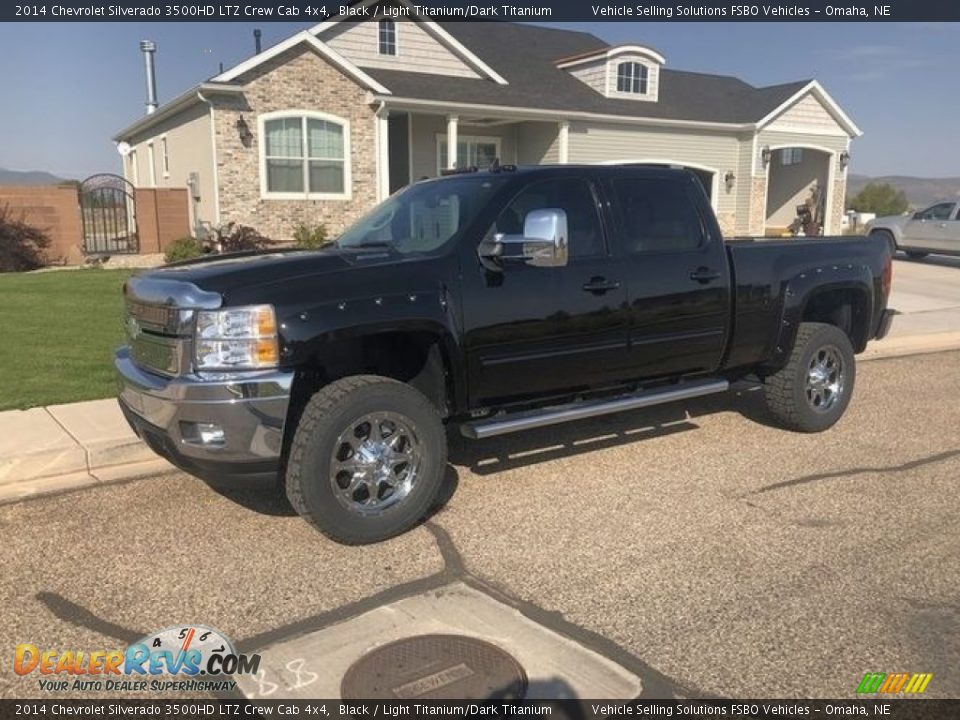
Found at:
[256, 39]
[149, 48]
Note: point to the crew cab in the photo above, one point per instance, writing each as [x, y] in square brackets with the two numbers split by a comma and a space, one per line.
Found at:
[493, 301]
[934, 230]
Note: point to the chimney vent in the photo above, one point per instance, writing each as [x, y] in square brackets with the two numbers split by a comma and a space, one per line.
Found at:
[256, 39]
[149, 49]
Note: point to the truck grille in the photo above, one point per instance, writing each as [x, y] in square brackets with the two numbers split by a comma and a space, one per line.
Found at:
[156, 338]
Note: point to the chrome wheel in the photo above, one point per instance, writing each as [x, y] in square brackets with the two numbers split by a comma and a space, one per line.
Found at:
[375, 462]
[825, 379]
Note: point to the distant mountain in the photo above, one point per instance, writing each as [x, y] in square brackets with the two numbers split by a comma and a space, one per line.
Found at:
[28, 177]
[920, 192]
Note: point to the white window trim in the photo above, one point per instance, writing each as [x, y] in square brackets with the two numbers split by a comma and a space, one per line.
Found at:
[165, 156]
[441, 137]
[152, 164]
[396, 38]
[639, 75]
[653, 80]
[262, 120]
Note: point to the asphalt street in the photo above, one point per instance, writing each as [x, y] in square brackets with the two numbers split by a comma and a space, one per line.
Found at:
[695, 545]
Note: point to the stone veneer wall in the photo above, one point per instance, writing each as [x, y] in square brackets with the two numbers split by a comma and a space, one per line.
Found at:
[296, 80]
[758, 205]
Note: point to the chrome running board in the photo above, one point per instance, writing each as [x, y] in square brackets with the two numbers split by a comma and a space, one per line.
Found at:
[503, 424]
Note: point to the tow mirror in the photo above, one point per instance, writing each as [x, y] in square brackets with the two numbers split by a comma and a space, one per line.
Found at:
[543, 243]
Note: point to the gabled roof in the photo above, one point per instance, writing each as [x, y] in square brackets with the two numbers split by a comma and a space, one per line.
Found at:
[526, 55]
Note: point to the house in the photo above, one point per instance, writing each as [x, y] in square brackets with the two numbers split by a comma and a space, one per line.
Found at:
[323, 125]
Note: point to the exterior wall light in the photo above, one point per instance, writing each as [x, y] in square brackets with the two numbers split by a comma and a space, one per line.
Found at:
[729, 179]
[766, 154]
[844, 159]
[243, 130]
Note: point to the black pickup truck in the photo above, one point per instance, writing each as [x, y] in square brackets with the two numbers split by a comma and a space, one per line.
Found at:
[494, 301]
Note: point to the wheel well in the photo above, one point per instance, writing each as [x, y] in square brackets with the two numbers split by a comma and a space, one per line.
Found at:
[416, 358]
[845, 308]
[888, 235]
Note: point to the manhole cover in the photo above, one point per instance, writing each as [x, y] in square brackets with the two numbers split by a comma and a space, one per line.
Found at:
[435, 667]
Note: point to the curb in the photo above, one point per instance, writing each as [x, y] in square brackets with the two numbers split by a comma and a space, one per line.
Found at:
[26, 489]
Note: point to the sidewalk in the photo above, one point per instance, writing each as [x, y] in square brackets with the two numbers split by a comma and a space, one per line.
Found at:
[45, 450]
[65, 447]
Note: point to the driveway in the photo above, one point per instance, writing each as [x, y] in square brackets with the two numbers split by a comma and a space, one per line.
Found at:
[696, 547]
[927, 293]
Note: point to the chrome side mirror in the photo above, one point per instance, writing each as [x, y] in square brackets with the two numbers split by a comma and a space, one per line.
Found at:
[543, 243]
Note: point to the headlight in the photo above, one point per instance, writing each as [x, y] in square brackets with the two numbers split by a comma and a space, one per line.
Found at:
[243, 338]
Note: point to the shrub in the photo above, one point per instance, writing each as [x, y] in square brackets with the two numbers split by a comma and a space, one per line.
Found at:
[21, 245]
[310, 237]
[183, 248]
[232, 238]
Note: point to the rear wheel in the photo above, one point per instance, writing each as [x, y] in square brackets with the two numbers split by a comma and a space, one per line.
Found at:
[813, 390]
[367, 460]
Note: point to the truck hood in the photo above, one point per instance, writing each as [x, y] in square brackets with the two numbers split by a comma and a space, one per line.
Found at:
[890, 221]
[224, 273]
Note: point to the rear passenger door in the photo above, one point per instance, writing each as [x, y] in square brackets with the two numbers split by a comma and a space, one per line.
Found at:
[678, 279]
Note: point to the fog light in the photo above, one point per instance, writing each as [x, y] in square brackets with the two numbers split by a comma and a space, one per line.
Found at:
[206, 434]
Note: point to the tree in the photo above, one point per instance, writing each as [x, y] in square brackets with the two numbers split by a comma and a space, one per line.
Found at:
[879, 198]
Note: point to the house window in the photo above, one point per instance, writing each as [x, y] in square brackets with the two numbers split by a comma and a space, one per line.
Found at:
[388, 37]
[632, 78]
[791, 156]
[471, 151]
[165, 156]
[305, 155]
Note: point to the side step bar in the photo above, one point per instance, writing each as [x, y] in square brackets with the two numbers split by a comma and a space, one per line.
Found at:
[503, 424]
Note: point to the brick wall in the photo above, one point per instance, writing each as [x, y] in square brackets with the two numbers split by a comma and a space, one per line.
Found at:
[55, 210]
[162, 217]
[295, 80]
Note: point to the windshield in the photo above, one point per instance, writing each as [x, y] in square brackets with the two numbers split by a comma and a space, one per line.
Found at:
[423, 217]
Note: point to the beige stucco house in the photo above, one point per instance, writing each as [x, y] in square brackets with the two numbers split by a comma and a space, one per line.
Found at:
[324, 124]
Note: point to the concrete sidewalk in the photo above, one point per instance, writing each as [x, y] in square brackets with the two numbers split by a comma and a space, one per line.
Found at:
[64, 447]
[44, 450]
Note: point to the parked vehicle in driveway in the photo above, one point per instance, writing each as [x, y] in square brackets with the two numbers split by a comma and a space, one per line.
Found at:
[934, 230]
[495, 301]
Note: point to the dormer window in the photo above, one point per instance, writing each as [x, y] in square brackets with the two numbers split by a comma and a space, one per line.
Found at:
[388, 37]
[632, 78]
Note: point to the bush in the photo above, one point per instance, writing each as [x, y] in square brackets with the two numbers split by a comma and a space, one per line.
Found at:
[880, 198]
[310, 237]
[231, 238]
[183, 248]
[21, 245]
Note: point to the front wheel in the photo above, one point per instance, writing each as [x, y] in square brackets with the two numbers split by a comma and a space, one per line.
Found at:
[367, 459]
[813, 390]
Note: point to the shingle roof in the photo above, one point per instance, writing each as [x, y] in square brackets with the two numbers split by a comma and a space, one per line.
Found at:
[526, 55]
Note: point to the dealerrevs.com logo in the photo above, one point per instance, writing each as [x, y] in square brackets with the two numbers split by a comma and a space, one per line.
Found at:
[181, 658]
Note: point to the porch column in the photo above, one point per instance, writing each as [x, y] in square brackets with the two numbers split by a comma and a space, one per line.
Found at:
[452, 121]
[383, 153]
[563, 141]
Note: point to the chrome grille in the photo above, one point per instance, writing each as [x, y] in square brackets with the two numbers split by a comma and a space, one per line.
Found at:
[158, 337]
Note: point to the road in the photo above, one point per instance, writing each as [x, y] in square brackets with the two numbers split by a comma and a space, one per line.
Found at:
[696, 546]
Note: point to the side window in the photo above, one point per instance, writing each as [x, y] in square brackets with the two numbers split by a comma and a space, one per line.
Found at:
[941, 211]
[573, 196]
[658, 215]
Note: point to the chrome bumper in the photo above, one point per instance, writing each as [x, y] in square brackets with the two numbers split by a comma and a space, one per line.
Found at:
[249, 407]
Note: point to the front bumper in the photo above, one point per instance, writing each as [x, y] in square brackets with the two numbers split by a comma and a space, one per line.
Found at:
[886, 320]
[250, 409]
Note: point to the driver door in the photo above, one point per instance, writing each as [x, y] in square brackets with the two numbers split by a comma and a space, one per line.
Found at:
[538, 330]
[927, 231]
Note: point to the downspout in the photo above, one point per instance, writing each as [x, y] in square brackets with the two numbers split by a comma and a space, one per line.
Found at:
[213, 151]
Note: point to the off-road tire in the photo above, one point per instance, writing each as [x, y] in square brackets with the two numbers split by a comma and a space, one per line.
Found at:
[786, 390]
[308, 484]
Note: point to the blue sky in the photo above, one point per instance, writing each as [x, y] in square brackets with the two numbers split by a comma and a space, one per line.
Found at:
[68, 87]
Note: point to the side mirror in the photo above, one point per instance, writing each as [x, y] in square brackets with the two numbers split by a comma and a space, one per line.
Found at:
[543, 243]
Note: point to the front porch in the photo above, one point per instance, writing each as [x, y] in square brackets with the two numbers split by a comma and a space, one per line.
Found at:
[416, 145]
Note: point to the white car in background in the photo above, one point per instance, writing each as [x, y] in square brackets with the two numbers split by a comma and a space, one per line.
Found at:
[934, 230]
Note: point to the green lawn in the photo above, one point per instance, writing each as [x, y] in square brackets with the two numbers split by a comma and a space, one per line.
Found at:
[58, 331]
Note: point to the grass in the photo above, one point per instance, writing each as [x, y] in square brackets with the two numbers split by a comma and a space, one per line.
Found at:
[58, 331]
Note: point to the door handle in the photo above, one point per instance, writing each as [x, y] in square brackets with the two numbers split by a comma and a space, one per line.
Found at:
[600, 285]
[704, 275]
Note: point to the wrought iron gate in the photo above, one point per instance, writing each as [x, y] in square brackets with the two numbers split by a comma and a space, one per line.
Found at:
[108, 212]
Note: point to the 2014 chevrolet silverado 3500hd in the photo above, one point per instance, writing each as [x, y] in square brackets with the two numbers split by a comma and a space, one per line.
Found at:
[494, 301]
